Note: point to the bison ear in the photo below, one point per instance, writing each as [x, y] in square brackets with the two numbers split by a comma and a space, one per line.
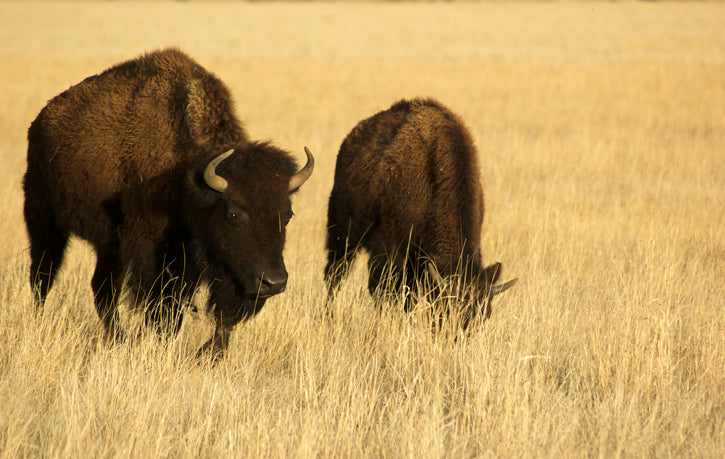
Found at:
[492, 272]
[199, 190]
[495, 272]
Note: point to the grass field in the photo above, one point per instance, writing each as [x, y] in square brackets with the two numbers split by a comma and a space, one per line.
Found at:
[601, 133]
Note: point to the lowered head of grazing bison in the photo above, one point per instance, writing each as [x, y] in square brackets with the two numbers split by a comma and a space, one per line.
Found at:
[407, 189]
[473, 286]
[148, 162]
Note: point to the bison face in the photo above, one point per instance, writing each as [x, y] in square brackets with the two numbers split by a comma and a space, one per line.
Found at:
[244, 210]
[475, 289]
[247, 239]
[484, 289]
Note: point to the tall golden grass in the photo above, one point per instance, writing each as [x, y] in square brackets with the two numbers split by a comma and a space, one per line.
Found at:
[601, 133]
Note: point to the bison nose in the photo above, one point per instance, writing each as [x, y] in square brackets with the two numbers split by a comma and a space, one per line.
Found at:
[272, 284]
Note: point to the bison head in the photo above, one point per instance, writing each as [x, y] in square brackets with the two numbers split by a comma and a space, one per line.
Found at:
[475, 288]
[242, 207]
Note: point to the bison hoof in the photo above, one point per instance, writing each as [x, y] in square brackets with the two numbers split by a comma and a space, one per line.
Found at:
[212, 351]
[114, 335]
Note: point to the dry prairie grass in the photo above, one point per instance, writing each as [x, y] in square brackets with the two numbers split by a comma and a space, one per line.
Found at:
[601, 130]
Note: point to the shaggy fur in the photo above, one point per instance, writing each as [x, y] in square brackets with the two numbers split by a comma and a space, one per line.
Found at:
[407, 189]
[118, 161]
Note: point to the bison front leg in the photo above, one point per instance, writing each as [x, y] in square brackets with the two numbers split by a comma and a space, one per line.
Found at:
[339, 260]
[166, 299]
[343, 243]
[48, 239]
[165, 316]
[106, 283]
[228, 311]
[217, 345]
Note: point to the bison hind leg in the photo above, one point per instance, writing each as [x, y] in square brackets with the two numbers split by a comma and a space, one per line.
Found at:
[48, 242]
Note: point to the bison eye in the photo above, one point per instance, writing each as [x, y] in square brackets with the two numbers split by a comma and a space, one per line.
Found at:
[237, 217]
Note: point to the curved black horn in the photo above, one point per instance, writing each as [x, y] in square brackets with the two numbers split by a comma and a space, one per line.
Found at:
[211, 178]
[303, 174]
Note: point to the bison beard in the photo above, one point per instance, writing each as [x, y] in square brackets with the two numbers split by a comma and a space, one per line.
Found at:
[407, 190]
[148, 162]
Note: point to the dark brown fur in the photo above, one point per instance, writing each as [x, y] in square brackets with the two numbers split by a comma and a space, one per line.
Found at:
[407, 189]
[118, 159]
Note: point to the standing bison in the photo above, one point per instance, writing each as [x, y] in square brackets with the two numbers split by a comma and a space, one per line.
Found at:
[148, 162]
[407, 189]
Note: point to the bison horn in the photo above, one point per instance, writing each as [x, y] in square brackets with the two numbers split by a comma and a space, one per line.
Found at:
[303, 174]
[500, 288]
[211, 178]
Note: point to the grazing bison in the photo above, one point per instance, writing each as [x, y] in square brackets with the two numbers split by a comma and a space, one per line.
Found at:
[407, 189]
[148, 162]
